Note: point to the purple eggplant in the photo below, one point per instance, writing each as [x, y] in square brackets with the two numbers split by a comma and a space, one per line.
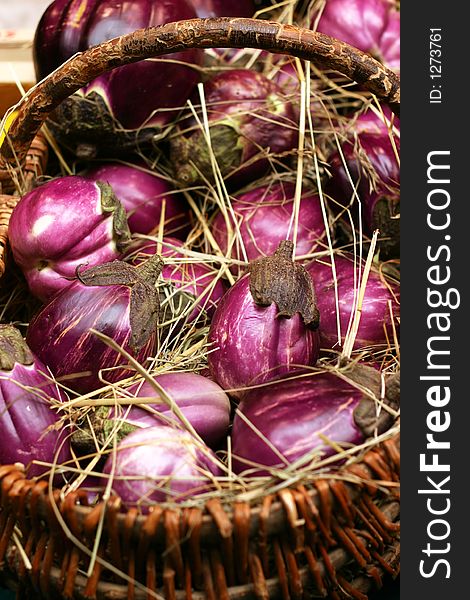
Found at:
[117, 300]
[265, 325]
[263, 216]
[29, 425]
[125, 107]
[374, 172]
[159, 464]
[223, 8]
[202, 401]
[249, 118]
[204, 404]
[286, 75]
[144, 195]
[288, 419]
[370, 25]
[380, 305]
[66, 223]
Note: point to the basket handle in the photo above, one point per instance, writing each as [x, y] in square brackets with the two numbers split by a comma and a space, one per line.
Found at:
[24, 120]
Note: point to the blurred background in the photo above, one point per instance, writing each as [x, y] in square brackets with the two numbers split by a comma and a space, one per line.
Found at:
[18, 21]
[21, 14]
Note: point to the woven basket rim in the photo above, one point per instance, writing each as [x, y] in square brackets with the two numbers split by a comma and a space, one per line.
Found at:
[19, 495]
[216, 517]
[24, 120]
[107, 590]
[235, 529]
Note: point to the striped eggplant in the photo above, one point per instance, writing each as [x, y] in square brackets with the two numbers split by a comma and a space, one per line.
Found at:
[158, 464]
[203, 403]
[30, 429]
[248, 117]
[311, 417]
[123, 108]
[262, 218]
[266, 324]
[370, 151]
[191, 284]
[117, 300]
[66, 223]
[144, 195]
[370, 25]
[380, 308]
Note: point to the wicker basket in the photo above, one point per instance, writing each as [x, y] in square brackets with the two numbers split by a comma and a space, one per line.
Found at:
[336, 538]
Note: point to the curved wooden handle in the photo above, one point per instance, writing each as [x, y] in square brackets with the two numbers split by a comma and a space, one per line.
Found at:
[33, 109]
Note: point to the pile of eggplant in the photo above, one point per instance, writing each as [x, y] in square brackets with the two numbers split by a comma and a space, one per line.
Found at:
[207, 310]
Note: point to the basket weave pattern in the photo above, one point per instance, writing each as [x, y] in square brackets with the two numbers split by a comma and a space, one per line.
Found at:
[34, 167]
[335, 537]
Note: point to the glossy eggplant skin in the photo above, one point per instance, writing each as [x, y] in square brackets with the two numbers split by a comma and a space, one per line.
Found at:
[380, 304]
[263, 216]
[223, 8]
[141, 96]
[290, 414]
[370, 25]
[371, 152]
[251, 345]
[143, 195]
[29, 424]
[198, 281]
[60, 335]
[248, 116]
[160, 463]
[66, 223]
[201, 400]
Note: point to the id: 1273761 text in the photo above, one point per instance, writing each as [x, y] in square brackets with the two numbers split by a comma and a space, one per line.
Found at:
[435, 65]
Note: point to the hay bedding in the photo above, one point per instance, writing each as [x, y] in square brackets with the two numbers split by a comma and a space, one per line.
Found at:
[315, 529]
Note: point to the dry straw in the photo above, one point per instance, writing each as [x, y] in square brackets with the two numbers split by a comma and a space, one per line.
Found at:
[326, 526]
